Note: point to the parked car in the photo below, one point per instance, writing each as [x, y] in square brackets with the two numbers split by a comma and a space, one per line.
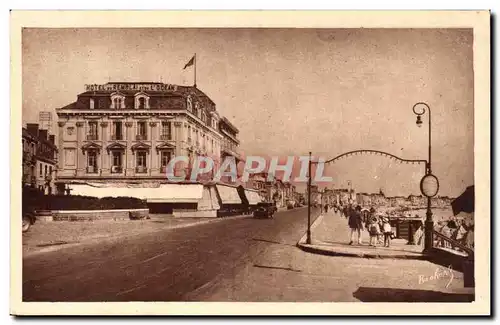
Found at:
[290, 205]
[29, 218]
[265, 210]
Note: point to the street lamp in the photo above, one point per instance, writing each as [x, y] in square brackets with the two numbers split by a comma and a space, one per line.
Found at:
[429, 185]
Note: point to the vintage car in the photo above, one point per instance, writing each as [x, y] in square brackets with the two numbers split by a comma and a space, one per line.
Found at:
[265, 210]
[29, 219]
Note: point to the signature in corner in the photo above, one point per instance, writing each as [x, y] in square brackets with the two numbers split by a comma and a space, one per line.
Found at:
[440, 273]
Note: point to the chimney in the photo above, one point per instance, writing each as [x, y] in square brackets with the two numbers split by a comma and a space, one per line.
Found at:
[52, 139]
[43, 134]
[32, 129]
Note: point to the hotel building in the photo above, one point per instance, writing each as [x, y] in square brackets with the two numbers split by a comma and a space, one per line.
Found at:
[125, 133]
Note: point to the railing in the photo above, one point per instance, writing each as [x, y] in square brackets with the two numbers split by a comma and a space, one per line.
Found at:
[141, 169]
[91, 170]
[116, 137]
[141, 137]
[92, 137]
[163, 169]
[443, 241]
[116, 169]
[165, 137]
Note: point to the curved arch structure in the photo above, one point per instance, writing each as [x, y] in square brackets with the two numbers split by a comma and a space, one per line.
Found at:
[375, 152]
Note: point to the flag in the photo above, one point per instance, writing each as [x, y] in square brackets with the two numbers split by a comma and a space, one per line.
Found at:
[190, 63]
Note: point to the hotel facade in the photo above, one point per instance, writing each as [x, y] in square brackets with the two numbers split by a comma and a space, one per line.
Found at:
[127, 133]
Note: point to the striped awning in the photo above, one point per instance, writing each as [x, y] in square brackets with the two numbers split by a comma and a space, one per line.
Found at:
[165, 193]
[228, 194]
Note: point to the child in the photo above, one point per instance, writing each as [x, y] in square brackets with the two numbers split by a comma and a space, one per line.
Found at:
[387, 230]
[374, 230]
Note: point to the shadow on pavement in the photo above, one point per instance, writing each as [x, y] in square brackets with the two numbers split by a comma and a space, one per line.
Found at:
[272, 242]
[276, 268]
[366, 294]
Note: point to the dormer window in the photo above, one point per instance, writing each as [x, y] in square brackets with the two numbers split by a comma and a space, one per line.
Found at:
[117, 101]
[141, 101]
[91, 103]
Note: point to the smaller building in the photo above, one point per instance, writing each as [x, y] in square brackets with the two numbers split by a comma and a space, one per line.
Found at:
[39, 158]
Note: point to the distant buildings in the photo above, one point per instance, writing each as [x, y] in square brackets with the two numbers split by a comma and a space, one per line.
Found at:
[39, 161]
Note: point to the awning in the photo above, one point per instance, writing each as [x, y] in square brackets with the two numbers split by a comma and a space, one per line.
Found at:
[165, 193]
[228, 194]
[465, 202]
[253, 197]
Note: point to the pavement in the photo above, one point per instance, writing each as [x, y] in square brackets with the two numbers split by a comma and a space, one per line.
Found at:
[243, 259]
[47, 236]
[330, 235]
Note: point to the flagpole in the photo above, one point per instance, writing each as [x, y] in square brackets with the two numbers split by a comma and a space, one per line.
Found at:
[195, 70]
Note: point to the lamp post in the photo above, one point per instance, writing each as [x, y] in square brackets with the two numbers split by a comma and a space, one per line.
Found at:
[308, 241]
[429, 185]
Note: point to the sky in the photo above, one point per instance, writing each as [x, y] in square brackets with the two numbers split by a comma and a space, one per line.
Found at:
[291, 91]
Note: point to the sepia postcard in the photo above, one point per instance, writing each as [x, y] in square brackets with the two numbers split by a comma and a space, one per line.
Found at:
[250, 163]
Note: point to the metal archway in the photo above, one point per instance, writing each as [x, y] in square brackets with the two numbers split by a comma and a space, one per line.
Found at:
[375, 152]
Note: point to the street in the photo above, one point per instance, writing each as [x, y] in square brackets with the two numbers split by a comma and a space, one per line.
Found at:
[161, 266]
[241, 259]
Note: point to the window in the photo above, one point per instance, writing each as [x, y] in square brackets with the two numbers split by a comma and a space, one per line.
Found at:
[117, 158]
[92, 131]
[203, 117]
[141, 130]
[91, 103]
[165, 158]
[41, 170]
[92, 161]
[45, 171]
[50, 170]
[141, 159]
[117, 101]
[142, 103]
[166, 131]
[117, 131]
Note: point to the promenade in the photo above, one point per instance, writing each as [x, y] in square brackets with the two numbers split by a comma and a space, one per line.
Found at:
[331, 235]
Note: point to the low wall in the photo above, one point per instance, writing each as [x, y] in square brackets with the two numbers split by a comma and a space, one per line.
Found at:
[93, 215]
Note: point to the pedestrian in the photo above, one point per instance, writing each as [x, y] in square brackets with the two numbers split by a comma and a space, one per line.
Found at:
[326, 208]
[419, 233]
[387, 230]
[380, 237]
[355, 223]
[374, 231]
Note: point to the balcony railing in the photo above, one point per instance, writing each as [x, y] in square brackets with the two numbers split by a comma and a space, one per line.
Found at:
[92, 137]
[444, 241]
[163, 169]
[141, 169]
[116, 137]
[141, 137]
[116, 169]
[91, 170]
[165, 137]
